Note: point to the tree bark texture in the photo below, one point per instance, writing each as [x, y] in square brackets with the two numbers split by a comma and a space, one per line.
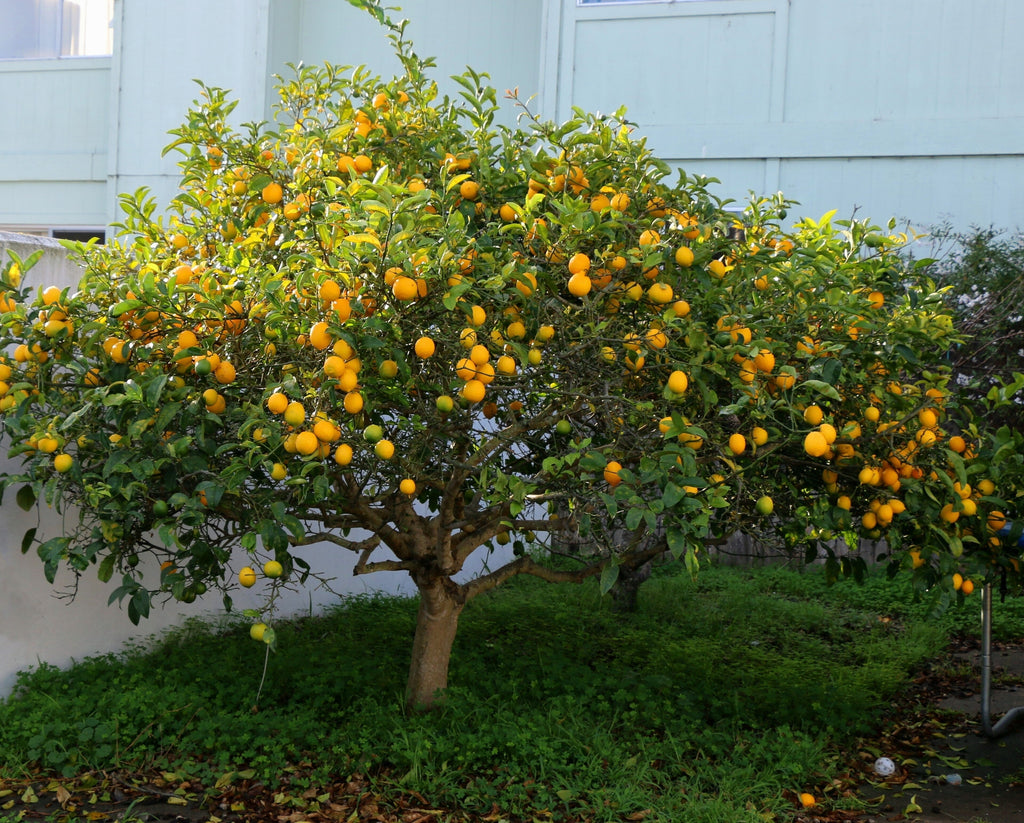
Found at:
[436, 623]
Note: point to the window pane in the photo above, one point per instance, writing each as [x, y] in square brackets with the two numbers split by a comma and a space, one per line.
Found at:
[55, 28]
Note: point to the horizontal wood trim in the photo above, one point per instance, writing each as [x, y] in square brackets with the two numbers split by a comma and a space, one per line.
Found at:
[76, 166]
[997, 136]
[35, 65]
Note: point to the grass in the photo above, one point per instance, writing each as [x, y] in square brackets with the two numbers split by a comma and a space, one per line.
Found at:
[714, 702]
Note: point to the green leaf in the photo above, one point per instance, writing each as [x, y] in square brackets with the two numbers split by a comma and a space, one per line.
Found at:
[106, 569]
[822, 388]
[25, 498]
[672, 495]
[633, 517]
[155, 389]
[609, 574]
[27, 540]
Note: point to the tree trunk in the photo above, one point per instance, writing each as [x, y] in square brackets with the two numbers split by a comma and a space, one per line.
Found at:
[627, 586]
[436, 624]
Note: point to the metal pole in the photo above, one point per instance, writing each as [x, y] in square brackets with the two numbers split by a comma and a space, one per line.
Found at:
[1011, 717]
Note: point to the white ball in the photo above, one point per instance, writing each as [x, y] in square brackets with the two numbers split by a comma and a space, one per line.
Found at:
[884, 767]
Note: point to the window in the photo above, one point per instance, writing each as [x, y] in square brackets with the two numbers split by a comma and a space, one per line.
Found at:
[56, 28]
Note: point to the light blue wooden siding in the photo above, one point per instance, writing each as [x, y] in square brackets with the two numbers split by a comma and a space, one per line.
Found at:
[494, 36]
[53, 146]
[160, 49]
[912, 108]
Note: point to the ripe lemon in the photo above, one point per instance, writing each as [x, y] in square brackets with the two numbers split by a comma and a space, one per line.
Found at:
[807, 800]
[759, 435]
[272, 193]
[949, 514]
[474, 391]
[325, 431]
[678, 382]
[684, 256]
[277, 403]
[343, 454]
[306, 443]
[681, 308]
[247, 577]
[967, 586]
[257, 631]
[224, 373]
[384, 449]
[319, 337]
[505, 365]
[660, 293]
[407, 486]
[737, 443]
[815, 444]
[273, 569]
[996, 520]
[295, 413]
[579, 263]
[611, 473]
[580, 285]
[404, 288]
[424, 348]
[278, 471]
[63, 462]
[813, 415]
[353, 402]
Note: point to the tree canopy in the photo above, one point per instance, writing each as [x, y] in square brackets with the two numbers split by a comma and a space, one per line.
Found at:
[385, 320]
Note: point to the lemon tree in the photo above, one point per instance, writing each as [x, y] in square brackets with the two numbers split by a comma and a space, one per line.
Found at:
[383, 321]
